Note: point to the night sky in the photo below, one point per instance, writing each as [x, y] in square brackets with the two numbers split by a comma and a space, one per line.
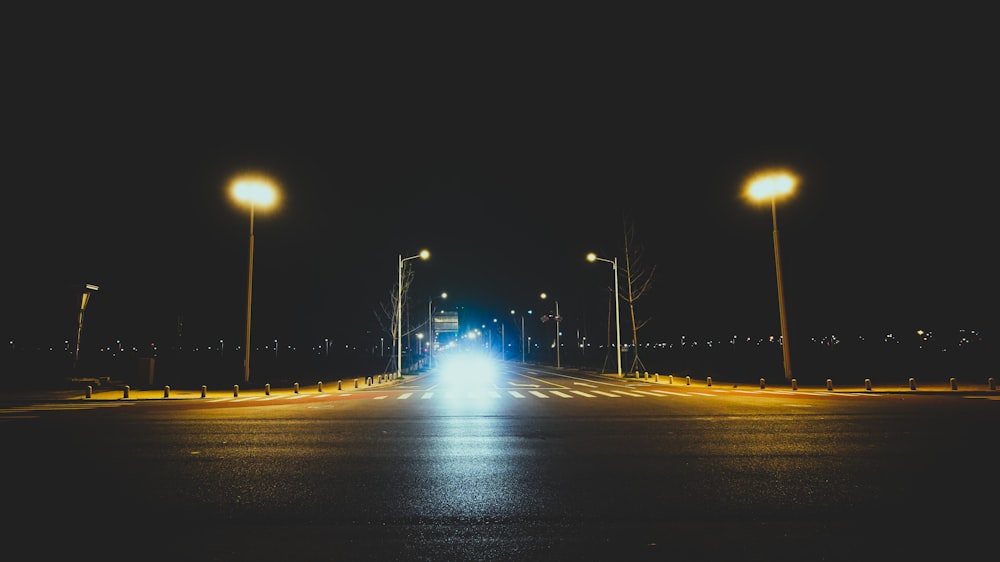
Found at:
[510, 146]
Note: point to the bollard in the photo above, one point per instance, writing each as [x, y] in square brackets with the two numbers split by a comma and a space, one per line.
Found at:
[296, 388]
[708, 381]
[355, 382]
[991, 383]
[90, 390]
[340, 384]
[204, 390]
[954, 385]
[267, 389]
[166, 391]
[319, 386]
[688, 378]
[868, 385]
[236, 390]
[126, 392]
[913, 384]
[656, 377]
[762, 382]
[829, 384]
[645, 375]
[795, 384]
[670, 379]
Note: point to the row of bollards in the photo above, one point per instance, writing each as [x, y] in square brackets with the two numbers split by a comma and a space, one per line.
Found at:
[952, 382]
[126, 390]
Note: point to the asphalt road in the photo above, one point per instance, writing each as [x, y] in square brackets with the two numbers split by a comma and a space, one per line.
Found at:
[529, 464]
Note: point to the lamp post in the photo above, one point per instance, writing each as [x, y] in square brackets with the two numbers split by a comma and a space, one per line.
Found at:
[79, 325]
[430, 329]
[558, 361]
[770, 185]
[513, 312]
[424, 254]
[592, 257]
[252, 190]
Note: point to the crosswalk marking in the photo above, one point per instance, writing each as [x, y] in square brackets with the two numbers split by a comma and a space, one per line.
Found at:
[669, 393]
[11, 412]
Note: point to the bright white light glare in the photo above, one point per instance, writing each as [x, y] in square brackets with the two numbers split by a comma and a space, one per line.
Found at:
[467, 369]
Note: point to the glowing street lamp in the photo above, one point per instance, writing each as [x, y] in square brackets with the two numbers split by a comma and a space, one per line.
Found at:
[770, 185]
[544, 296]
[592, 257]
[424, 254]
[79, 326]
[253, 190]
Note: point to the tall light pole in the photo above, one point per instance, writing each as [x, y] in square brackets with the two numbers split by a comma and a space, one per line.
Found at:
[770, 185]
[253, 190]
[592, 257]
[523, 347]
[79, 325]
[424, 254]
[430, 329]
[558, 319]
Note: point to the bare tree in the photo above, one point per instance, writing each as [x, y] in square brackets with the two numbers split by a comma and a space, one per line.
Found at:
[385, 315]
[638, 280]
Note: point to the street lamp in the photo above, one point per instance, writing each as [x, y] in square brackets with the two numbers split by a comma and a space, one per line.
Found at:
[430, 329]
[424, 254]
[513, 312]
[79, 326]
[253, 190]
[544, 296]
[592, 257]
[769, 185]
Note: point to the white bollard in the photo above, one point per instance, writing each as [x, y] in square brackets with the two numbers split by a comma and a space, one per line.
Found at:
[204, 391]
[166, 391]
[236, 390]
[90, 390]
[868, 385]
[829, 384]
[267, 389]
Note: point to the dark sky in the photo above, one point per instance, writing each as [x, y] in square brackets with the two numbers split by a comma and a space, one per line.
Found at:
[509, 145]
